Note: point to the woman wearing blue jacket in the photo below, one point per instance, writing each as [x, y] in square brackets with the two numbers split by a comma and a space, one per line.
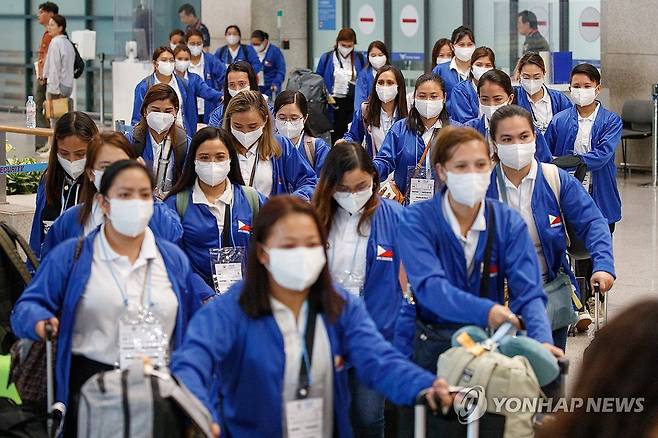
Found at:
[547, 198]
[363, 256]
[495, 91]
[339, 69]
[233, 51]
[164, 65]
[269, 162]
[274, 64]
[288, 312]
[533, 95]
[291, 121]
[458, 250]
[378, 57]
[197, 89]
[406, 148]
[459, 68]
[386, 104]
[60, 186]
[464, 104]
[85, 217]
[592, 133]
[89, 289]
[216, 208]
[209, 68]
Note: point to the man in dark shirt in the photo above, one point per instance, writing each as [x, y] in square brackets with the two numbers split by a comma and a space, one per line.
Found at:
[527, 26]
[188, 17]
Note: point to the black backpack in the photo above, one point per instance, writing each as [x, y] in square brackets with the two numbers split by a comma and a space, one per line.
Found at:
[312, 86]
[14, 277]
[78, 64]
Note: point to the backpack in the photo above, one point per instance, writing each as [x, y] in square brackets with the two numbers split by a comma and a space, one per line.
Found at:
[179, 149]
[78, 64]
[139, 402]
[183, 200]
[14, 277]
[312, 86]
[309, 148]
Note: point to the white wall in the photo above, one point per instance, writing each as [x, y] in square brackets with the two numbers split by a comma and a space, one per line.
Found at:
[217, 14]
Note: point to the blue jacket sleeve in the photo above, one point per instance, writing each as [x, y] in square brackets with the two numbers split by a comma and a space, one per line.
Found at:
[215, 119]
[378, 364]
[56, 234]
[35, 231]
[431, 286]
[218, 70]
[604, 150]
[590, 225]
[201, 89]
[386, 158]
[543, 153]
[299, 174]
[459, 105]
[551, 136]
[43, 297]
[322, 66]
[321, 151]
[523, 277]
[405, 329]
[280, 68]
[140, 92]
[361, 91]
[356, 132]
[165, 222]
[253, 59]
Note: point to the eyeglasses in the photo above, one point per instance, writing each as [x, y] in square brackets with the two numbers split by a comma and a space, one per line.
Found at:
[292, 118]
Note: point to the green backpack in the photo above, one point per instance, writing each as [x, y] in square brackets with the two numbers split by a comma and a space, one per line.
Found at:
[183, 200]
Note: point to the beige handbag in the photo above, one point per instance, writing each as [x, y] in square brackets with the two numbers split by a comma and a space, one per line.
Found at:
[56, 108]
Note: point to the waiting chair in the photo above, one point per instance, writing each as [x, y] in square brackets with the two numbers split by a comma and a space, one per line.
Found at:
[637, 118]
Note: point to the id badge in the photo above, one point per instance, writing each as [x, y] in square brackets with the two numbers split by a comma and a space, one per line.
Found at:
[353, 283]
[227, 266]
[141, 335]
[304, 418]
[422, 186]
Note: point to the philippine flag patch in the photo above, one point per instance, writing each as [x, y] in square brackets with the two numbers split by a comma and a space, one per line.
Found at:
[243, 228]
[554, 221]
[384, 253]
[493, 270]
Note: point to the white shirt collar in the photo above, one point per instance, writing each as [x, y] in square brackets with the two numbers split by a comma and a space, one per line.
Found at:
[531, 176]
[201, 61]
[171, 82]
[592, 116]
[453, 66]
[479, 225]
[198, 197]
[545, 98]
[148, 250]
[437, 124]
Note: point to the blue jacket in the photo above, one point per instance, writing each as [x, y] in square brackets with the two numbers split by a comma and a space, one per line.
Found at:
[213, 74]
[216, 118]
[444, 293]
[543, 153]
[199, 88]
[321, 151]
[52, 293]
[559, 102]
[326, 68]
[606, 135]
[200, 232]
[358, 132]
[402, 149]
[464, 104]
[250, 357]
[147, 153]
[274, 68]
[164, 224]
[245, 53]
[365, 80]
[187, 106]
[579, 210]
[450, 78]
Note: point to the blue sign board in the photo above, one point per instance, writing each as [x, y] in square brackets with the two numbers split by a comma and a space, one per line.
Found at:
[408, 56]
[326, 14]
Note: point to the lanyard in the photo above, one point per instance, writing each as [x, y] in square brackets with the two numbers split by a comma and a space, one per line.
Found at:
[305, 380]
[226, 231]
[147, 280]
[253, 170]
[356, 250]
[65, 201]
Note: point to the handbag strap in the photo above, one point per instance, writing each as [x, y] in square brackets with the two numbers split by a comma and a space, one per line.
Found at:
[486, 264]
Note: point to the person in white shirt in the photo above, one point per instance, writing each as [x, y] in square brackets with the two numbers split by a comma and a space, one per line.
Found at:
[58, 67]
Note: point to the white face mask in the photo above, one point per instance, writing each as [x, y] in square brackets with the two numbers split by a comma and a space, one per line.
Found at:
[353, 202]
[386, 93]
[289, 129]
[160, 122]
[182, 66]
[516, 156]
[441, 60]
[583, 96]
[464, 53]
[73, 168]
[429, 108]
[195, 50]
[479, 71]
[247, 139]
[173, 46]
[98, 176]
[532, 86]
[296, 268]
[488, 110]
[345, 51]
[468, 188]
[165, 68]
[212, 173]
[130, 217]
[377, 62]
[234, 93]
[259, 48]
[232, 39]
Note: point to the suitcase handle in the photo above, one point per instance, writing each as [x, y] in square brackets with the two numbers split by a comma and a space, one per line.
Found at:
[49, 330]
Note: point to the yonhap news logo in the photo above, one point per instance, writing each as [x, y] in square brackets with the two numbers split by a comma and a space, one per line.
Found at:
[470, 404]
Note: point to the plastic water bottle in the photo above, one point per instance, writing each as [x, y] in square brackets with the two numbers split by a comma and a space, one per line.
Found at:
[30, 112]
